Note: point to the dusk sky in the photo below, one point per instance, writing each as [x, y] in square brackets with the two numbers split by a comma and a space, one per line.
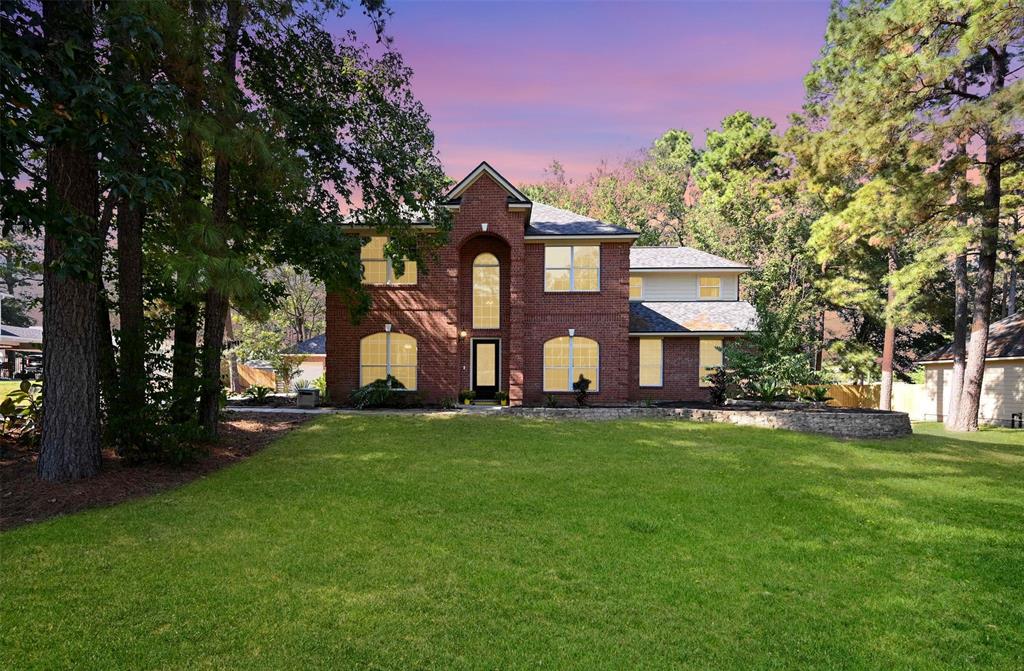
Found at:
[522, 83]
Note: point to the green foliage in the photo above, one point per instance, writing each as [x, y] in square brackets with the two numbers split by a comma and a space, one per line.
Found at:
[853, 361]
[815, 394]
[449, 404]
[721, 384]
[550, 401]
[501, 397]
[767, 390]
[776, 352]
[581, 388]
[258, 393]
[21, 412]
[467, 396]
[386, 393]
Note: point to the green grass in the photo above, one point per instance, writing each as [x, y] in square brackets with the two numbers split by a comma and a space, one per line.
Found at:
[474, 542]
[7, 386]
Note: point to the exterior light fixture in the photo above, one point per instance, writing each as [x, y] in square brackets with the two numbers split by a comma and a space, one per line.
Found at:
[387, 328]
[462, 334]
[483, 227]
[572, 332]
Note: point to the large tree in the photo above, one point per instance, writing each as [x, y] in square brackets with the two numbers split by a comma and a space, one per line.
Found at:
[943, 79]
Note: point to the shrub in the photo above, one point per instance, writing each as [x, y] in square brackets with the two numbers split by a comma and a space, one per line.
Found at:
[22, 412]
[300, 384]
[721, 382]
[501, 397]
[550, 401]
[581, 387]
[449, 403]
[258, 392]
[386, 393]
[467, 396]
[816, 394]
[767, 391]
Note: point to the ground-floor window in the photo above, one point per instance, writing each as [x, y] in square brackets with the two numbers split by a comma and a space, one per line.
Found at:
[710, 358]
[568, 357]
[651, 373]
[383, 354]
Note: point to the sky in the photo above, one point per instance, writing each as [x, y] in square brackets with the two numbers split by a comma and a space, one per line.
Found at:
[522, 83]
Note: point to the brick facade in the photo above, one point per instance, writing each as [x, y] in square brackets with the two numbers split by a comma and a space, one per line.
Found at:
[437, 311]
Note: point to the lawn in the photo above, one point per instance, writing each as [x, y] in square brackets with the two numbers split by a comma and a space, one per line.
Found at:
[475, 542]
[7, 386]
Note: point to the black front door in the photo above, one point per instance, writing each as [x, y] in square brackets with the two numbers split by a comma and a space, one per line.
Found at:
[486, 356]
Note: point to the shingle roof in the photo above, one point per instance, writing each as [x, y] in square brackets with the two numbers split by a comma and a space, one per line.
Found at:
[677, 257]
[28, 334]
[1005, 339]
[691, 316]
[548, 220]
[315, 345]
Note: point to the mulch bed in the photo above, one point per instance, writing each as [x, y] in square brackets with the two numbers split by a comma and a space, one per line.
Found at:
[24, 498]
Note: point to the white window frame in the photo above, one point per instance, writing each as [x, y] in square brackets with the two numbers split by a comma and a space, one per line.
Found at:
[640, 279]
[572, 270]
[661, 363]
[700, 279]
[703, 369]
[496, 264]
[387, 358]
[572, 365]
[389, 272]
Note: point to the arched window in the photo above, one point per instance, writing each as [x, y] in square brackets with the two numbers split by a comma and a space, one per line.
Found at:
[383, 354]
[568, 357]
[486, 292]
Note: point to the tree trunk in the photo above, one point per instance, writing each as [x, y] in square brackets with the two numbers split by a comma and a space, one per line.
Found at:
[183, 361]
[974, 370]
[888, 341]
[70, 447]
[132, 360]
[217, 303]
[229, 333]
[960, 319]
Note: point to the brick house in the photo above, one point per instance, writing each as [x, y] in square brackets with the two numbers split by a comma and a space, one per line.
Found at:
[524, 298]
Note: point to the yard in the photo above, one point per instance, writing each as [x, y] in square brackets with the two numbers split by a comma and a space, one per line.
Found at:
[7, 386]
[474, 542]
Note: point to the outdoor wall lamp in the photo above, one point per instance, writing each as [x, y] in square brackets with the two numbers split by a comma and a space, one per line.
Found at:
[572, 332]
[462, 334]
[483, 227]
[387, 328]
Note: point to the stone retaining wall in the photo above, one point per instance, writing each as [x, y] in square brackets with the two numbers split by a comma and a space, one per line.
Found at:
[832, 423]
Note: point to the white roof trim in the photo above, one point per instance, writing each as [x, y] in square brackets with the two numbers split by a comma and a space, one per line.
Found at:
[691, 269]
[475, 175]
[997, 359]
[556, 238]
[677, 334]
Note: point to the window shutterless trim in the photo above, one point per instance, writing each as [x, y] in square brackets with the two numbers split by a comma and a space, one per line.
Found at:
[572, 271]
[572, 366]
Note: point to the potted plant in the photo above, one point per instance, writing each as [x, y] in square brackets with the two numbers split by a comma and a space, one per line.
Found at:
[467, 397]
[501, 397]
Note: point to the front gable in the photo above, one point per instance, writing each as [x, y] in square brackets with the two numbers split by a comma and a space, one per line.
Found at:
[514, 198]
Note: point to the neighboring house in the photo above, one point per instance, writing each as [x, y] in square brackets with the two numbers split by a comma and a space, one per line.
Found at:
[20, 349]
[1002, 389]
[524, 298]
[310, 355]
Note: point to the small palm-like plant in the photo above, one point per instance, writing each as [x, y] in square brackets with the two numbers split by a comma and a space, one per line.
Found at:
[258, 392]
[21, 413]
[767, 391]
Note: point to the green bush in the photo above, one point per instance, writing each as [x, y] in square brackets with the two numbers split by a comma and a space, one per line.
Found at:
[467, 396]
[721, 384]
[581, 387]
[767, 391]
[816, 394]
[386, 393]
[258, 392]
[550, 401]
[21, 412]
[449, 403]
[501, 397]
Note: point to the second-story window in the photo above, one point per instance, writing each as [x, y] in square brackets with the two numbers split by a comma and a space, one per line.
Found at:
[377, 268]
[710, 287]
[636, 288]
[575, 268]
[486, 292]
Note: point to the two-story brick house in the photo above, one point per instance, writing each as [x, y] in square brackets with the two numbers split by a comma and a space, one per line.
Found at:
[524, 298]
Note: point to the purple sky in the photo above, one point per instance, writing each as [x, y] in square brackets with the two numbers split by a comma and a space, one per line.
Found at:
[522, 83]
